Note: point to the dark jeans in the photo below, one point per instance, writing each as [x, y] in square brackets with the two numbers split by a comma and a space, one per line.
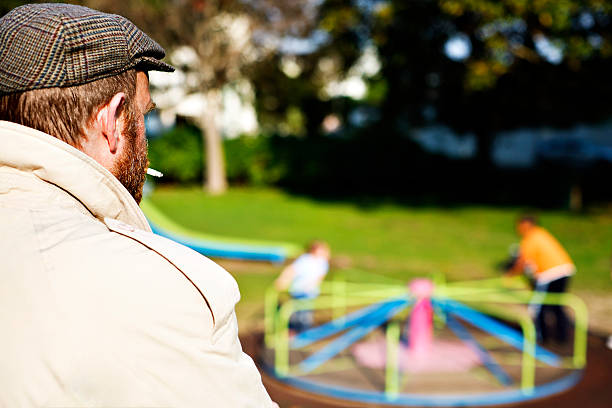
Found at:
[301, 320]
[545, 313]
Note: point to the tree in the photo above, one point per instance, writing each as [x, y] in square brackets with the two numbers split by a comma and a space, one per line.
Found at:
[478, 66]
[228, 37]
[293, 83]
[487, 65]
[8, 5]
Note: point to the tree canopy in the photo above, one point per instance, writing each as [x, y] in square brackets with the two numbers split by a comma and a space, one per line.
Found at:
[478, 65]
[489, 65]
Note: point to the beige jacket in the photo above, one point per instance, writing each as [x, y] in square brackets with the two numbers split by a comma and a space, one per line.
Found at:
[97, 311]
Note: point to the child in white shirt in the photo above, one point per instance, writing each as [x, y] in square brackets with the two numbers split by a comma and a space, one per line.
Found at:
[303, 278]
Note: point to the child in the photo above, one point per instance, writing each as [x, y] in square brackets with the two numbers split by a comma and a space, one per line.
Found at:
[545, 261]
[303, 278]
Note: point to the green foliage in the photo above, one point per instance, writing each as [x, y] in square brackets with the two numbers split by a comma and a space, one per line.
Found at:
[558, 20]
[248, 160]
[377, 91]
[8, 5]
[178, 154]
[506, 81]
[348, 165]
[528, 63]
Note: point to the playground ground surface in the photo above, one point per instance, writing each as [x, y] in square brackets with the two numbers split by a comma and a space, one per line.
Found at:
[593, 390]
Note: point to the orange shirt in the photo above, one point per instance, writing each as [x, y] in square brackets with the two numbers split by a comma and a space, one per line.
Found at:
[540, 249]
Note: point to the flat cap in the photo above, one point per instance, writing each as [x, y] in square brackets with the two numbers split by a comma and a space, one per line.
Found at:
[60, 45]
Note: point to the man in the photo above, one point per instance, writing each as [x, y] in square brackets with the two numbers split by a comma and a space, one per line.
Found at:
[95, 310]
[546, 262]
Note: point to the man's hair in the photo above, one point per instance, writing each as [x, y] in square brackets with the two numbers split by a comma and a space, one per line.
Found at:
[530, 218]
[65, 112]
[315, 245]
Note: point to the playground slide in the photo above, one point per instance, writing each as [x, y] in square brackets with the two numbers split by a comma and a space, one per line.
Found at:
[217, 246]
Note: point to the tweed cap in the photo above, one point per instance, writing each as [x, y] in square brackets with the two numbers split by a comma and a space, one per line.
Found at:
[60, 45]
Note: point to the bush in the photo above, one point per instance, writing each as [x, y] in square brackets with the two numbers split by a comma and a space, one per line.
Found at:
[178, 154]
[250, 160]
[369, 165]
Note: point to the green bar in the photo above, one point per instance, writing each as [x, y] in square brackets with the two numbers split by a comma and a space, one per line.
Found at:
[528, 366]
[339, 299]
[516, 282]
[281, 340]
[327, 302]
[581, 315]
[392, 369]
[352, 289]
[270, 305]
[438, 279]
[328, 285]
[465, 291]
[439, 317]
[369, 277]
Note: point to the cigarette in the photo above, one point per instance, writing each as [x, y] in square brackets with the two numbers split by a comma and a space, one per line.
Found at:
[154, 173]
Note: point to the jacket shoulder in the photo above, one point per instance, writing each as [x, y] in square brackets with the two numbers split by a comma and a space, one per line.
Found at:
[216, 286]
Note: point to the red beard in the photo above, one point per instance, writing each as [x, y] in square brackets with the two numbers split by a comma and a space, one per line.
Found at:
[131, 166]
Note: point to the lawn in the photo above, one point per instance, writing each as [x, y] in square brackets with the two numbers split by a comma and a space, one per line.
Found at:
[384, 237]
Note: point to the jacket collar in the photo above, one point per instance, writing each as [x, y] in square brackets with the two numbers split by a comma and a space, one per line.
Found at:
[58, 163]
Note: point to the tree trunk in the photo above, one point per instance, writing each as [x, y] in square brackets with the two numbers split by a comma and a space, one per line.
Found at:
[575, 197]
[214, 172]
[484, 146]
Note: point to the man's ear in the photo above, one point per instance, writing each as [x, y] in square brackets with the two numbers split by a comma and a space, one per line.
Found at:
[108, 120]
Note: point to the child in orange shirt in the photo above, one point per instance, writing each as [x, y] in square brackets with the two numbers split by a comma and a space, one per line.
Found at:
[546, 262]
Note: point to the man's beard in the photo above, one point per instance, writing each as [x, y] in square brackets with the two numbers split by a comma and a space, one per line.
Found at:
[131, 167]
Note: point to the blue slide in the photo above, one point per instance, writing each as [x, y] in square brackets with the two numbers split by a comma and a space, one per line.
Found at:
[217, 246]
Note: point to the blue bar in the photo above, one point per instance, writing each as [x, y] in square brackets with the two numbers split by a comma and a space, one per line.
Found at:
[497, 329]
[341, 343]
[511, 396]
[487, 359]
[358, 317]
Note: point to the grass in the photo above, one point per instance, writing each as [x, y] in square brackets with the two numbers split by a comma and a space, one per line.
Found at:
[386, 238]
